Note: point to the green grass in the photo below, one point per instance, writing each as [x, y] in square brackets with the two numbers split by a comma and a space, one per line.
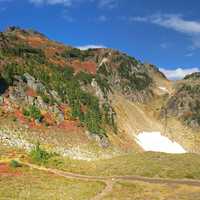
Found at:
[38, 185]
[147, 164]
[143, 164]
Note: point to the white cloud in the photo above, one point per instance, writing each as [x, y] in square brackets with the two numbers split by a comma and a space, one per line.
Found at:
[179, 73]
[53, 2]
[90, 46]
[175, 22]
[101, 3]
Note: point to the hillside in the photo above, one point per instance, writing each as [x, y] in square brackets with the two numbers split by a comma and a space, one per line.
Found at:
[88, 104]
[71, 123]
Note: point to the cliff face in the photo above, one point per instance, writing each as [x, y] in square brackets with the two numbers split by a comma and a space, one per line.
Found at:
[184, 103]
[47, 86]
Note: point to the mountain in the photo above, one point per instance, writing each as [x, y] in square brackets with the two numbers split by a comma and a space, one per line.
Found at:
[88, 104]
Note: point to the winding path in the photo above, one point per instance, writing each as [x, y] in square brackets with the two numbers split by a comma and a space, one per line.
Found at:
[110, 180]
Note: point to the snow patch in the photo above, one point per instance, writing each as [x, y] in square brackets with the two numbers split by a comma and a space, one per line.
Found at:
[154, 141]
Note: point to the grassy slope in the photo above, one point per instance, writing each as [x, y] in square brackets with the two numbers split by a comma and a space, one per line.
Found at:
[143, 164]
[39, 185]
[35, 185]
[144, 191]
[147, 164]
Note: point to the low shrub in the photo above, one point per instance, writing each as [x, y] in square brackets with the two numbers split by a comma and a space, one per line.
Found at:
[15, 164]
[40, 155]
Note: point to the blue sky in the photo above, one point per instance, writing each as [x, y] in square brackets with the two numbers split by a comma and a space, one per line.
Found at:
[163, 32]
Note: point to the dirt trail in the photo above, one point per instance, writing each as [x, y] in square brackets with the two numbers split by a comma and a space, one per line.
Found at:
[110, 180]
[105, 191]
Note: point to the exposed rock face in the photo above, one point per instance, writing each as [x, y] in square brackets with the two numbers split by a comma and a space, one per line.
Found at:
[18, 95]
[125, 74]
[98, 91]
[58, 113]
[34, 84]
[185, 102]
[101, 140]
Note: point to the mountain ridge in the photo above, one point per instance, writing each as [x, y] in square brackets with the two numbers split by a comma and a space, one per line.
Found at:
[83, 96]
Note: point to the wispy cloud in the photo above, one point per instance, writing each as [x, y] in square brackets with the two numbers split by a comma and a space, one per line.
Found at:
[67, 16]
[102, 18]
[174, 22]
[107, 4]
[164, 45]
[189, 54]
[67, 3]
[91, 46]
[53, 2]
[178, 73]
[1, 1]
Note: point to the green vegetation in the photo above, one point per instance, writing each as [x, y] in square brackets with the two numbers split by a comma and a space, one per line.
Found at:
[39, 155]
[26, 52]
[110, 116]
[15, 164]
[191, 89]
[47, 99]
[105, 70]
[33, 112]
[193, 76]
[137, 80]
[64, 82]
[75, 53]
[84, 77]
[9, 71]
[103, 84]
[191, 94]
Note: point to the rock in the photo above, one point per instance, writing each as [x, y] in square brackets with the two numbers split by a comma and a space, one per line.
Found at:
[100, 139]
[98, 91]
[40, 103]
[60, 117]
[37, 121]
[17, 93]
[34, 84]
[58, 113]
[30, 100]
[104, 142]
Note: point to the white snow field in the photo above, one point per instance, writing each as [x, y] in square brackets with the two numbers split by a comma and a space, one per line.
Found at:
[154, 141]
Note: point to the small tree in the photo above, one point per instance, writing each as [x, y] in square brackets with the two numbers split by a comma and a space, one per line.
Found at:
[39, 155]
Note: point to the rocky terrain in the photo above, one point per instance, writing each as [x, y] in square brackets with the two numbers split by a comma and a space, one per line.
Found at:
[88, 104]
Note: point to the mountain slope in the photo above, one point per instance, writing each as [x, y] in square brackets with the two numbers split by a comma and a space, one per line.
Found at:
[83, 104]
